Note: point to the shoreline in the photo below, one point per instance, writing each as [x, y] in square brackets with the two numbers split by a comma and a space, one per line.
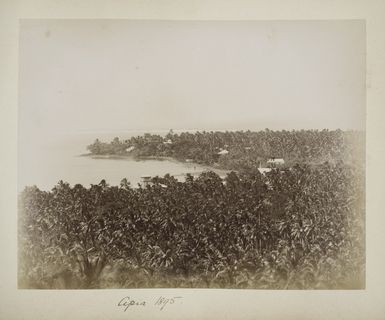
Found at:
[127, 156]
[205, 167]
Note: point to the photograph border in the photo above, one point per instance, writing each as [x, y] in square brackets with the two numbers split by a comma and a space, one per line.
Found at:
[196, 303]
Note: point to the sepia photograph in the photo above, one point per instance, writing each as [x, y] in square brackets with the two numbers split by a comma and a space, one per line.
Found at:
[191, 154]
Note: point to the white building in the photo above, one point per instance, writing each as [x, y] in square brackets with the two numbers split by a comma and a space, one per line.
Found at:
[223, 152]
[275, 161]
[168, 141]
[264, 170]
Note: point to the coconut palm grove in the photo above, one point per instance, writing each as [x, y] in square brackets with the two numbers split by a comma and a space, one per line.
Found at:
[300, 224]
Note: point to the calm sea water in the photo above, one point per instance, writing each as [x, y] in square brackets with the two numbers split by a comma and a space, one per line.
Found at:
[44, 163]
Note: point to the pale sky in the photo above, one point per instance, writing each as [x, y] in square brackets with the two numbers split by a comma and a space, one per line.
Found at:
[116, 75]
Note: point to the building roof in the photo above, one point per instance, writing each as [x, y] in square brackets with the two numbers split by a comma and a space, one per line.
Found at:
[276, 160]
[168, 141]
[264, 170]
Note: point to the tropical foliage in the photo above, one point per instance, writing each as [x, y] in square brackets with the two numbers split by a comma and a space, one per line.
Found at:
[297, 228]
[246, 149]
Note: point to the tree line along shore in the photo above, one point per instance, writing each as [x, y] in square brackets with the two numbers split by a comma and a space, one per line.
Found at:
[242, 150]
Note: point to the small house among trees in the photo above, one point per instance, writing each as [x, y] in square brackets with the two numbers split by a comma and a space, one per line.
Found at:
[168, 141]
[264, 170]
[146, 180]
[273, 162]
[223, 152]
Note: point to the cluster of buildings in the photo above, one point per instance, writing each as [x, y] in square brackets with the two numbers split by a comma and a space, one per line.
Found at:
[272, 162]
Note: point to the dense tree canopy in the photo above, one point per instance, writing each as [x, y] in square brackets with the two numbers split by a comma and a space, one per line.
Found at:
[297, 228]
[247, 149]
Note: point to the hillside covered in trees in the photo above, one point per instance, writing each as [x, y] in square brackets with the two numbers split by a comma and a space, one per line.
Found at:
[246, 149]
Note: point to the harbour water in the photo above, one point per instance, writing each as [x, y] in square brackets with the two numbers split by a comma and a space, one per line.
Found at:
[47, 161]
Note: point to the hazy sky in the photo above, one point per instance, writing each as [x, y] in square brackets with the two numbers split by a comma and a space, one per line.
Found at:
[117, 75]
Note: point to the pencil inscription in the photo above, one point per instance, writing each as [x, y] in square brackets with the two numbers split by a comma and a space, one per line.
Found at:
[160, 302]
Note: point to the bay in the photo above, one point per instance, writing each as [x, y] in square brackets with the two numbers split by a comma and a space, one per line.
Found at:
[47, 160]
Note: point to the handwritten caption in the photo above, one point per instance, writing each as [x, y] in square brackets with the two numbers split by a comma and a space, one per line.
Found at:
[160, 303]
